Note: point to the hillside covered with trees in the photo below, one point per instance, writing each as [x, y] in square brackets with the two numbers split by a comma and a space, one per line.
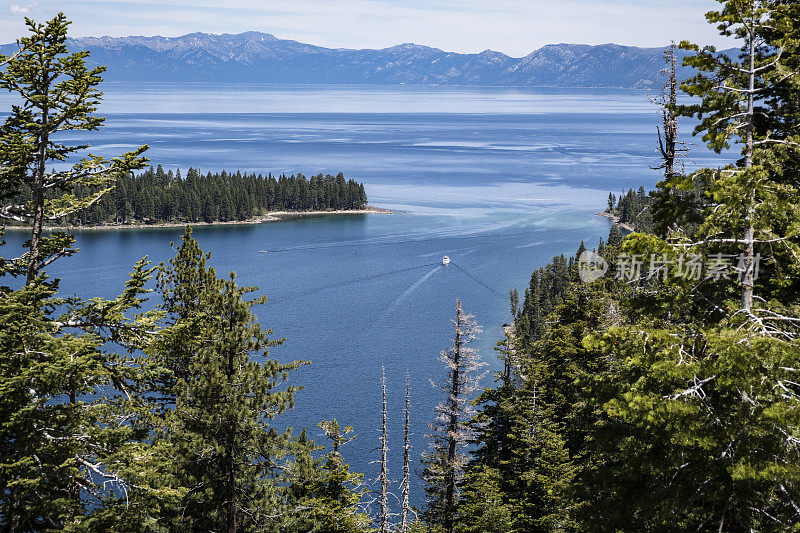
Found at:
[661, 394]
[114, 417]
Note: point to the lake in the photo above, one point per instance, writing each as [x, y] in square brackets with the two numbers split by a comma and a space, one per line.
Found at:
[498, 179]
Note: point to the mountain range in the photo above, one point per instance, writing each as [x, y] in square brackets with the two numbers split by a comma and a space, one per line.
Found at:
[263, 58]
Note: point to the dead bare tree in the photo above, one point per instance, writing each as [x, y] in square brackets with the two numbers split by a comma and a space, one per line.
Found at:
[668, 145]
[450, 432]
[406, 485]
[384, 528]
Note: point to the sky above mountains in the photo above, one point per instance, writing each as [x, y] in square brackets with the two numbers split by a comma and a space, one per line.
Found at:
[514, 27]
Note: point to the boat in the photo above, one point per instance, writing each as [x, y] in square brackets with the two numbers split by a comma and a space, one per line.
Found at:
[445, 260]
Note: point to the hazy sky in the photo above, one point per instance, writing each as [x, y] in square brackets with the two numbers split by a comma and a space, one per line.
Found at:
[515, 27]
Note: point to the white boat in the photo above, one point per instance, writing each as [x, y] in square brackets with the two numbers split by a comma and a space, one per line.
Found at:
[445, 260]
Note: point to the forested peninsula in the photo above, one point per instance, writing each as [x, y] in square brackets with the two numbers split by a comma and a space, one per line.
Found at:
[159, 197]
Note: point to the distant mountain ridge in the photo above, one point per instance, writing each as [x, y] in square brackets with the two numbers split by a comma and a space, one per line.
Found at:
[261, 57]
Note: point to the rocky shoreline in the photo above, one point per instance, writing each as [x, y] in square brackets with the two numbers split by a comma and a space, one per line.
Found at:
[614, 218]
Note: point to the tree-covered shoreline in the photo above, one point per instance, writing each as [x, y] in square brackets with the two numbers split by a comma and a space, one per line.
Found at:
[631, 211]
[156, 196]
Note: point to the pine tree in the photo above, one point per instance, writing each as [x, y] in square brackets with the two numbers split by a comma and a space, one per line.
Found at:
[514, 299]
[184, 287]
[445, 461]
[65, 396]
[325, 493]
[486, 497]
[741, 102]
[59, 93]
[614, 236]
[226, 392]
[483, 504]
[65, 399]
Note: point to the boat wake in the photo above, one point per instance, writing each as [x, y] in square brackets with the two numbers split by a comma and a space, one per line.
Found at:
[400, 299]
[413, 287]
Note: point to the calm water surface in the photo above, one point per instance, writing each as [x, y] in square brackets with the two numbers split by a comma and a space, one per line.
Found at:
[498, 179]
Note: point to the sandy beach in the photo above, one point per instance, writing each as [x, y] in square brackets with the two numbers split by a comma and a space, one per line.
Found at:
[273, 216]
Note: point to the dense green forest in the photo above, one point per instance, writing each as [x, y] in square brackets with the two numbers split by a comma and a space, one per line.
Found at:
[661, 394]
[632, 209]
[649, 383]
[155, 196]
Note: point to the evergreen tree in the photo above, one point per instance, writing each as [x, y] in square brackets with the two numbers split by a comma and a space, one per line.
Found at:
[226, 392]
[514, 299]
[58, 93]
[740, 101]
[65, 400]
[483, 505]
[445, 461]
[326, 493]
[614, 236]
[65, 396]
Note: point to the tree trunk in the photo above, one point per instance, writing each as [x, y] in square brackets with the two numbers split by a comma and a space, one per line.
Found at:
[450, 489]
[75, 489]
[38, 195]
[231, 494]
[384, 452]
[230, 489]
[749, 232]
[406, 467]
[13, 523]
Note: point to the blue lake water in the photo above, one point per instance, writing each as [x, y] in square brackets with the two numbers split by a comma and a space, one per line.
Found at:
[500, 180]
